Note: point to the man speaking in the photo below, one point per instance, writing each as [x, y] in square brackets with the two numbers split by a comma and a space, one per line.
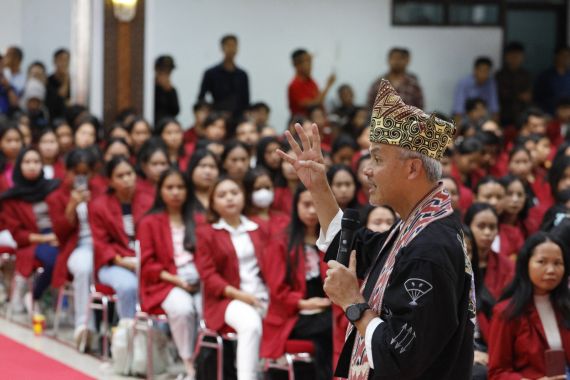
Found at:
[413, 317]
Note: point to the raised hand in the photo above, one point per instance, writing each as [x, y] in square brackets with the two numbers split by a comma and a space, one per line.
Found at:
[308, 162]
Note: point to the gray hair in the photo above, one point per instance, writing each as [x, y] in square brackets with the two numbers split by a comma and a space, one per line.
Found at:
[431, 166]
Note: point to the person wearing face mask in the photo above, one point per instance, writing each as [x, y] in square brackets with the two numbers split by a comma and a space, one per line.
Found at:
[259, 195]
[152, 161]
[26, 215]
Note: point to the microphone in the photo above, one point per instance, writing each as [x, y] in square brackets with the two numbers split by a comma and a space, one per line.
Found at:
[350, 222]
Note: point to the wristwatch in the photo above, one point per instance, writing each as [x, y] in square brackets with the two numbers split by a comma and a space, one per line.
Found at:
[354, 312]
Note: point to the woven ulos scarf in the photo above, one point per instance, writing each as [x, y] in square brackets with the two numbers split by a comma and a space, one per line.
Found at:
[436, 205]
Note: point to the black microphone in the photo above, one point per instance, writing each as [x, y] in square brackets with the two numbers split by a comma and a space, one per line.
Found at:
[350, 222]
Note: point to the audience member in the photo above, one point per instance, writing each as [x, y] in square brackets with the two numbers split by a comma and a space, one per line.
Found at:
[226, 82]
[13, 68]
[59, 85]
[405, 83]
[479, 84]
[170, 131]
[378, 218]
[303, 92]
[554, 83]
[203, 172]
[49, 150]
[533, 315]
[139, 131]
[235, 160]
[169, 277]
[152, 161]
[514, 84]
[11, 143]
[165, 95]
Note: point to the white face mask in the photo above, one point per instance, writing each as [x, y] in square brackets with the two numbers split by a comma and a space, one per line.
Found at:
[262, 198]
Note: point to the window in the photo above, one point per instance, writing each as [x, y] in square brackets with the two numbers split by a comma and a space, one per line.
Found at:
[446, 12]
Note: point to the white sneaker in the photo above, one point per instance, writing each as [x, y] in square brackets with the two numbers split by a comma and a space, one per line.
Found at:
[31, 306]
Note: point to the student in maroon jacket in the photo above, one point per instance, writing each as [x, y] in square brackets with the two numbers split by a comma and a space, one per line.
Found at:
[259, 195]
[113, 218]
[169, 278]
[232, 266]
[534, 314]
[296, 288]
[49, 150]
[68, 212]
[203, 172]
[170, 131]
[26, 215]
[152, 161]
[496, 270]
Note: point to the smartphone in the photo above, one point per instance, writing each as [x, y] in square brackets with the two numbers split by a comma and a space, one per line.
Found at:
[80, 182]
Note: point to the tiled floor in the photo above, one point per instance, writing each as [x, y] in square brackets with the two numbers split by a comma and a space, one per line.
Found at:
[62, 349]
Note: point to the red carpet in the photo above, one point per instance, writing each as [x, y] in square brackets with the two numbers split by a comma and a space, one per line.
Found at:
[20, 362]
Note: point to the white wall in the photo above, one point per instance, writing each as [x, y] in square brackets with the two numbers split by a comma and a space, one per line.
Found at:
[39, 27]
[352, 37]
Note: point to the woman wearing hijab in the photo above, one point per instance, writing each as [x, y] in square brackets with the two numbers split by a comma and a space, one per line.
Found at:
[27, 218]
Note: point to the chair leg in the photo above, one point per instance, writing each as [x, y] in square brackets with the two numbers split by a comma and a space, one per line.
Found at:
[220, 353]
[58, 307]
[290, 366]
[149, 356]
[105, 327]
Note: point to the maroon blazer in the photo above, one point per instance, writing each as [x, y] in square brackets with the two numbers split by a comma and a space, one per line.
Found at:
[157, 254]
[284, 298]
[20, 219]
[67, 233]
[106, 222]
[516, 347]
[278, 222]
[146, 186]
[512, 240]
[499, 274]
[283, 200]
[218, 265]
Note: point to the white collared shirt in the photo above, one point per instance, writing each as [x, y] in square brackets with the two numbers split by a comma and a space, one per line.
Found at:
[249, 272]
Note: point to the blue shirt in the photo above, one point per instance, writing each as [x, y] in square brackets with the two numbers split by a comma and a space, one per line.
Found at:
[467, 88]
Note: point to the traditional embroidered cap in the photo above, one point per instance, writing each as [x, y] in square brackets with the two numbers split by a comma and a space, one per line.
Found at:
[396, 123]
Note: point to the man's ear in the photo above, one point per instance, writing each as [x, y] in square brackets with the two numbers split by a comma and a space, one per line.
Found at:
[414, 168]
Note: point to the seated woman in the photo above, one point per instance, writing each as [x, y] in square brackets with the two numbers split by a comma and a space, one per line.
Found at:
[534, 313]
[203, 172]
[169, 278]
[113, 218]
[296, 289]
[26, 216]
[232, 265]
[68, 212]
[378, 218]
[496, 270]
[152, 161]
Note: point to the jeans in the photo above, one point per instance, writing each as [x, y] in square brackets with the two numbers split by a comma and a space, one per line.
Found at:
[80, 265]
[124, 283]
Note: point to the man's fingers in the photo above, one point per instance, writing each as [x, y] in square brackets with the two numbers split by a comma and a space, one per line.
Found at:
[333, 264]
[293, 143]
[352, 262]
[316, 138]
[285, 156]
[303, 136]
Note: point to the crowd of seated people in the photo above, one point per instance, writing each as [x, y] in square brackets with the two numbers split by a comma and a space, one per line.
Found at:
[228, 234]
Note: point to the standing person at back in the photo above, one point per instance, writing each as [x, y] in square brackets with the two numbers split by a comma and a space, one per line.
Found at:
[165, 95]
[225, 82]
[13, 68]
[514, 84]
[59, 85]
[303, 91]
[479, 84]
[405, 83]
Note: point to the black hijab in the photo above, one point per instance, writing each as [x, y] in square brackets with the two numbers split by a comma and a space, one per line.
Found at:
[29, 190]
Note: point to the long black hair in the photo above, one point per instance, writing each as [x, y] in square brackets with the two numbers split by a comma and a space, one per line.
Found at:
[353, 203]
[261, 148]
[296, 233]
[3, 131]
[556, 174]
[506, 181]
[187, 212]
[198, 156]
[520, 291]
[483, 298]
[159, 128]
[249, 183]
[147, 150]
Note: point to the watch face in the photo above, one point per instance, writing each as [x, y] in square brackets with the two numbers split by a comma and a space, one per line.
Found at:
[353, 313]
